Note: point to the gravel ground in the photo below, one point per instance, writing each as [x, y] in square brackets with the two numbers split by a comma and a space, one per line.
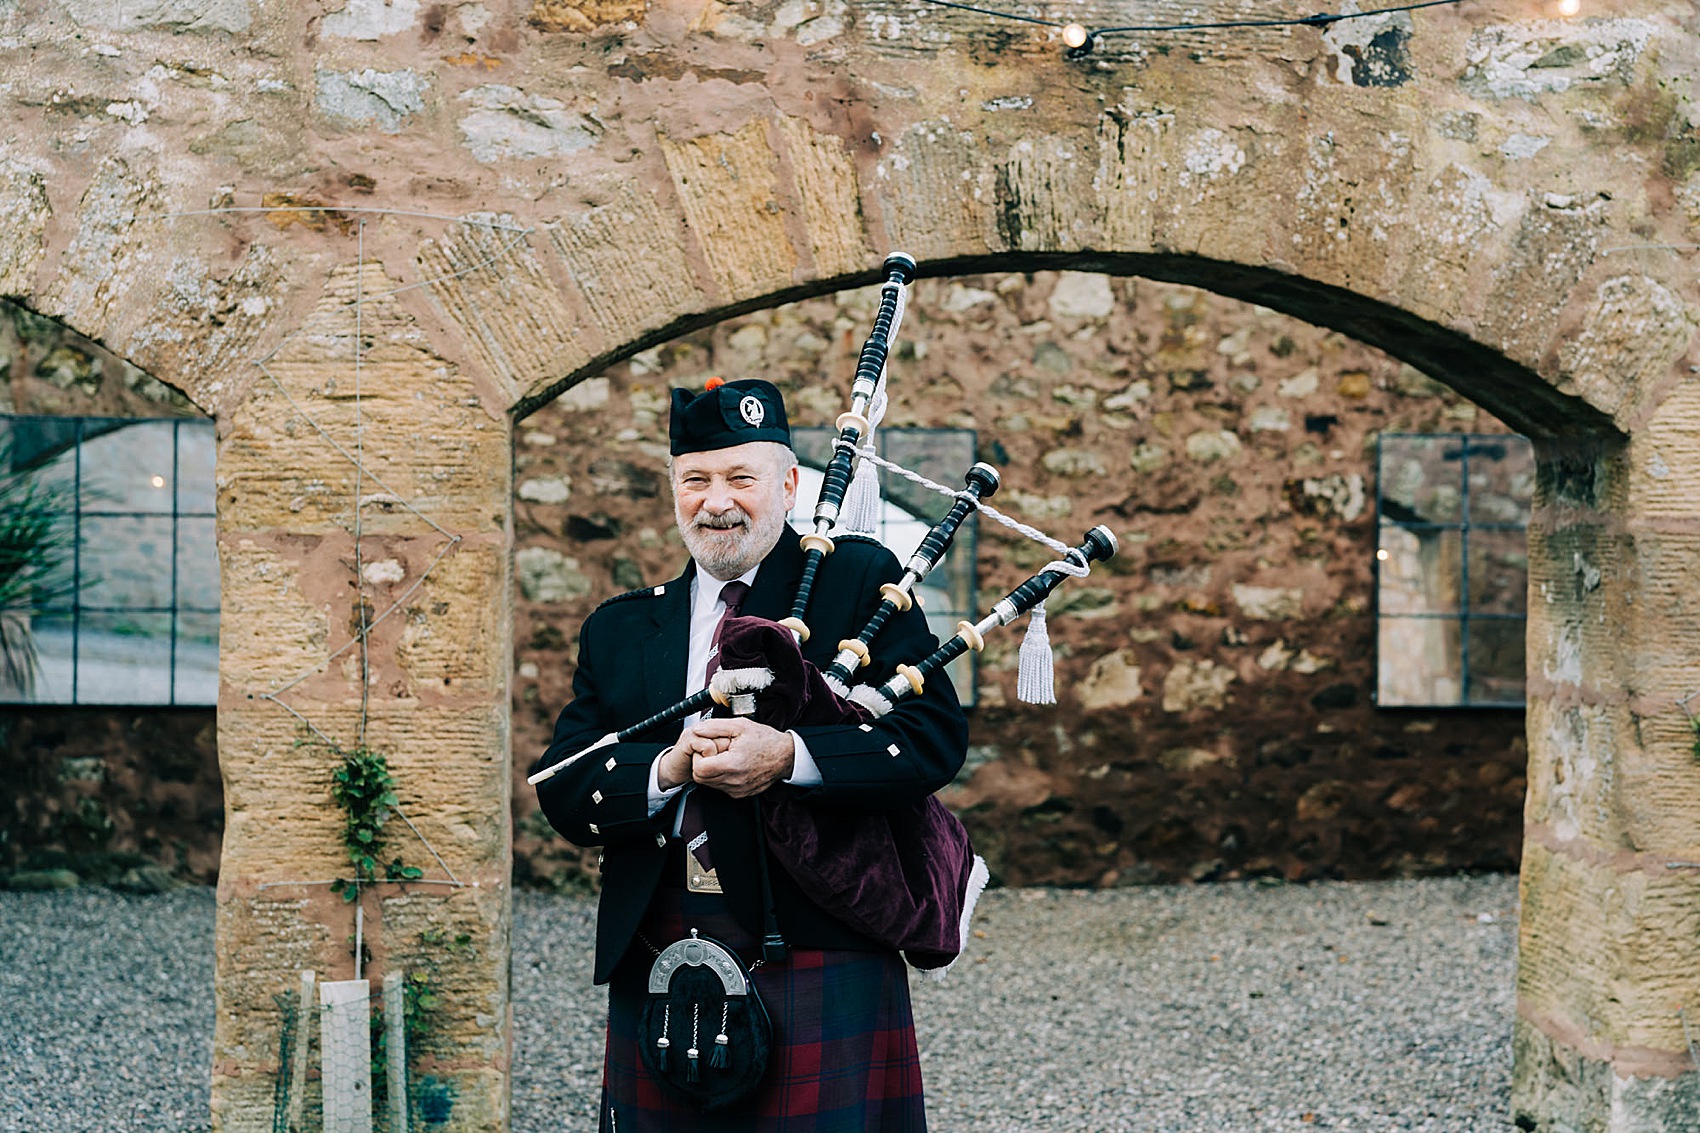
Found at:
[1383, 1006]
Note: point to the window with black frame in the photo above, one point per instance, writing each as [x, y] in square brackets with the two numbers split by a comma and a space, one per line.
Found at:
[116, 601]
[943, 456]
[1452, 569]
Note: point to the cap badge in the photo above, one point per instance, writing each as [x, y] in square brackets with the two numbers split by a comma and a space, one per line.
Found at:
[752, 411]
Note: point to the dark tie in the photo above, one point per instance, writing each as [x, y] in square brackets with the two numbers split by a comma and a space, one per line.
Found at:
[733, 594]
[691, 824]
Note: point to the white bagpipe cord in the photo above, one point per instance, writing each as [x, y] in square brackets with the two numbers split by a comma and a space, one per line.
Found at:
[1034, 679]
[860, 514]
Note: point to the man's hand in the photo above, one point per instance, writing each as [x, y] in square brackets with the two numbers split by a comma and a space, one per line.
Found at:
[737, 756]
[675, 767]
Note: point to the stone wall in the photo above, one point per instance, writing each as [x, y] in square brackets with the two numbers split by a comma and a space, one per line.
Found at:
[1499, 198]
[1215, 681]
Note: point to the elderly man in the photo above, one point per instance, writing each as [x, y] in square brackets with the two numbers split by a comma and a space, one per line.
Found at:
[676, 810]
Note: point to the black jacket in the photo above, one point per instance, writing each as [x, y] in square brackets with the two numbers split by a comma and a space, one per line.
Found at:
[631, 664]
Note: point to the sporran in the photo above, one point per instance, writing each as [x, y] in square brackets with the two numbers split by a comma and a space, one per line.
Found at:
[705, 1034]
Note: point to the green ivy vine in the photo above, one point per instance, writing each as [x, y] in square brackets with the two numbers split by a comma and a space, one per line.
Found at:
[365, 789]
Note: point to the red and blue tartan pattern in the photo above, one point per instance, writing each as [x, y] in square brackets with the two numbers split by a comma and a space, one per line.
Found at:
[844, 1053]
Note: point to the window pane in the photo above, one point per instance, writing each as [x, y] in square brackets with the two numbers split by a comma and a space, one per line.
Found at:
[127, 468]
[126, 562]
[1499, 572]
[1497, 661]
[197, 564]
[197, 658]
[124, 658]
[37, 661]
[45, 446]
[1502, 480]
[1420, 570]
[941, 456]
[1422, 479]
[1420, 662]
[197, 450]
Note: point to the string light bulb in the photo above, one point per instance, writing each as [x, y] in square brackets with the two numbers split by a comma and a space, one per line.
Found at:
[1569, 7]
[1078, 40]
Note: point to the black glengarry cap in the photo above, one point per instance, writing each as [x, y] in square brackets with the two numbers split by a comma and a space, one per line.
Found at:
[725, 415]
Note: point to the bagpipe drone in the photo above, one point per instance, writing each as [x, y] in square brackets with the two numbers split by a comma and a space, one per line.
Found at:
[931, 875]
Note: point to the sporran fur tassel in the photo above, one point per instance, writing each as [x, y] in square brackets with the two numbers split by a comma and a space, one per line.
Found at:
[1035, 682]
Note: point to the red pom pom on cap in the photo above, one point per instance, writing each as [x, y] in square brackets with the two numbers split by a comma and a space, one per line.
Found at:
[714, 383]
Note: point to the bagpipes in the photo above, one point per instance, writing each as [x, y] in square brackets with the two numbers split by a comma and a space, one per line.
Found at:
[924, 874]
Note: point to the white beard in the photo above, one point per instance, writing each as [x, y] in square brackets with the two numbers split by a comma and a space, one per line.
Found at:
[728, 545]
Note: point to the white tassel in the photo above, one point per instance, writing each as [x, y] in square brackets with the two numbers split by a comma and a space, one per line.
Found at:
[1034, 683]
[860, 514]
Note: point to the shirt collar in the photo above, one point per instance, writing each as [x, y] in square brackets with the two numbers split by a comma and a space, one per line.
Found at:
[709, 587]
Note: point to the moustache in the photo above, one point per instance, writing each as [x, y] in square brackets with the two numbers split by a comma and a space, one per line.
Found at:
[722, 522]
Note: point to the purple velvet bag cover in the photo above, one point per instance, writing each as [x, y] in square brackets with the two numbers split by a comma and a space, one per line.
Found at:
[899, 877]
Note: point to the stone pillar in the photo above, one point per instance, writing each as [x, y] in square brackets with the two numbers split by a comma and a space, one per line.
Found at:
[1609, 967]
[434, 579]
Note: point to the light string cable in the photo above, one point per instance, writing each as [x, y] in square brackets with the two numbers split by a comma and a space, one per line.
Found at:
[359, 486]
[1315, 20]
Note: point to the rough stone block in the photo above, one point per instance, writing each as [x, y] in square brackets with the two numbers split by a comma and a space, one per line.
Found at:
[177, 15]
[826, 185]
[627, 263]
[1658, 792]
[23, 200]
[505, 124]
[1634, 332]
[584, 15]
[1351, 200]
[936, 191]
[450, 765]
[1660, 615]
[490, 285]
[1577, 580]
[385, 99]
[270, 631]
[1533, 284]
[1664, 459]
[1604, 956]
[728, 187]
[109, 250]
[1467, 214]
[1045, 198]
[1112, 683]
[423, 436]
[1575, 766]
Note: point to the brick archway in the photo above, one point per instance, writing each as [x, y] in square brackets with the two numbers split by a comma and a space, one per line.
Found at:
[1508, 202]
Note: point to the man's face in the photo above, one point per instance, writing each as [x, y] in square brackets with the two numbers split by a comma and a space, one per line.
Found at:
[730, 505]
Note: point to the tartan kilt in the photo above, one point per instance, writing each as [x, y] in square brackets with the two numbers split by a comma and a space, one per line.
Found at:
[844, 1056]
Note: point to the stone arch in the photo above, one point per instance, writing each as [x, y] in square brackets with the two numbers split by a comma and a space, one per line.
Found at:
[1485, 196]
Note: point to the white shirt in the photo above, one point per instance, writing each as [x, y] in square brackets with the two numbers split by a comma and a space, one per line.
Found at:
[706, 609]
